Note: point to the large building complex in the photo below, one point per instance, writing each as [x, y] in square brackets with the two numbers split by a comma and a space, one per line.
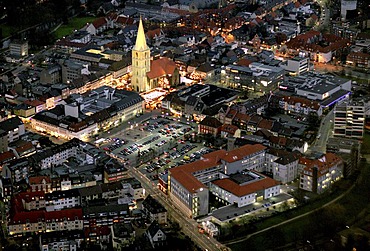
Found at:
[257, 77]
[245, 188]
[188, 184]
[323, 88]
[85, 116]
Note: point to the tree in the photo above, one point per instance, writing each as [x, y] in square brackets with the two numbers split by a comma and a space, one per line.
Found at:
[310, 22]
[313, 121]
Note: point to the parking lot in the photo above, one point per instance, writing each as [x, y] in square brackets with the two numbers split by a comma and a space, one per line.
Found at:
[155, 145]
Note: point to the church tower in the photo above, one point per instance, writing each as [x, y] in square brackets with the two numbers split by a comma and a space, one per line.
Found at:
[140, 62]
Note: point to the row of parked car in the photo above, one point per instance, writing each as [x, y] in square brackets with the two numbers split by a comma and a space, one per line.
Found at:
[129, 150]
[117, 144]
[152, 166]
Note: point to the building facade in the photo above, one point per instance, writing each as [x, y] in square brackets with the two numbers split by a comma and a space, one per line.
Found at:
[319, 174]
[349, 119]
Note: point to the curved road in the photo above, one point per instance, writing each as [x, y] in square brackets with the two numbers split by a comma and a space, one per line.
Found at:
[290, 220]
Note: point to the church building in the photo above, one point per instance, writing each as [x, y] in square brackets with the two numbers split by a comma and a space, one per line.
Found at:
[148, 74]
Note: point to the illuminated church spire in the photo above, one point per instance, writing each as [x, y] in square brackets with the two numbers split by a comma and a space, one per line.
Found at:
[140, 39]
[140, 62]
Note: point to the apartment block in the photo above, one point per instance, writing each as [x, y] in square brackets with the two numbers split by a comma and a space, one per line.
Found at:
[349, 119]
[319, 174]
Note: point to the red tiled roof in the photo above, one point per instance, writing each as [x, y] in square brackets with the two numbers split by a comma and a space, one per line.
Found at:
[242, 117]
[273, 14]
[303, 42]
[266, 124]
[313, 16]
[6, 156]
[23, 217]
[229, 128]
[264, 133]
[30, 196]
[359, 55]
[303, 101]
[242, 190]
[259, 20]
[187, 180]
[329, 160]
[34, 216]
[38, 180]
[211, 122]
[161, 67]
[241, 152]
[244, 62]
[184, 174]
[125, 20]
[152, 33]
[112, 15]
[99, 22]
[24, 148]
[67, 43]
[281, 141]
[34, 102]
[297, 4]
[69, 214]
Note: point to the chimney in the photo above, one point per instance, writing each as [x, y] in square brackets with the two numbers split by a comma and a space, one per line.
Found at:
[106, 93]
[111, 94]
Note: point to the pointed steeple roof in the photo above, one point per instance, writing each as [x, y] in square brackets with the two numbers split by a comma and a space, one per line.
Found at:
[140, 39]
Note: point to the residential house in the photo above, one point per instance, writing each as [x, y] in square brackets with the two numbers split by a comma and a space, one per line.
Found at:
[154, 211]
[123, 235]
[14, 128]
[282, 165]
[358, 59]
[209, 125]
[62, 240]
[59, 200]
[40, 183]
[318, 175]
[99, 218]
[300, 106]
[97, 26]
[24, 222]
[156, 235]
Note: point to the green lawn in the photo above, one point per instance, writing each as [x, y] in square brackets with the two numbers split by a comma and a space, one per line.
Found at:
[74, 24]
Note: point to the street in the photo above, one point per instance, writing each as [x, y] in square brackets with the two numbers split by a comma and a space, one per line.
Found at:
[188, 226]
[324, 132]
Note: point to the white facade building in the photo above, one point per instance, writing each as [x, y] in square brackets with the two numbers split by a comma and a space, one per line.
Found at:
[297, 65]
[245, 188]
[59, 200]
[282, 165]
[319, 174]
[248, 157]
